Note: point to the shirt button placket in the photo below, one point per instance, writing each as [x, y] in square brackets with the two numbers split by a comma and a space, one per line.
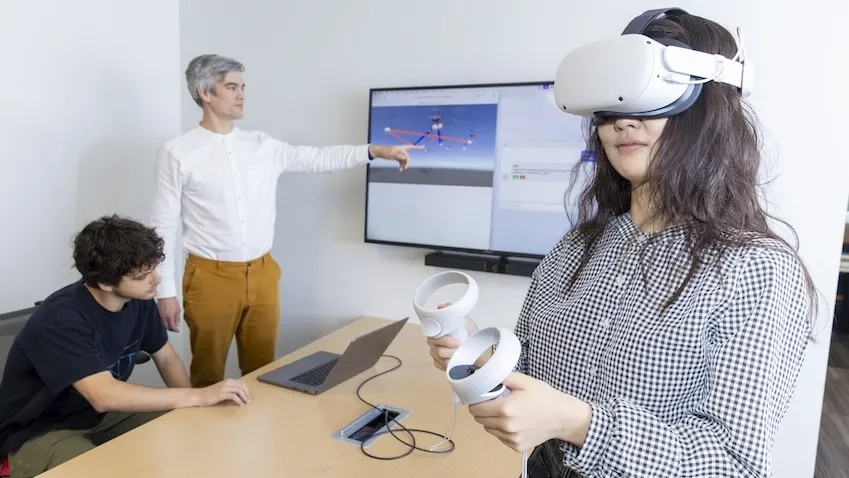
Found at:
[238, 189]
[620, 280]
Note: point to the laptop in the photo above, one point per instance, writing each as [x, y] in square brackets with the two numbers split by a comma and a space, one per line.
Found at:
[323, 370]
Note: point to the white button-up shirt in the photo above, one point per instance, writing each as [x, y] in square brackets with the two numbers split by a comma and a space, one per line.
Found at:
[222, 189]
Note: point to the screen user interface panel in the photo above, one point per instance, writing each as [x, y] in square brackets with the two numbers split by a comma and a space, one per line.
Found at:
[496, 163]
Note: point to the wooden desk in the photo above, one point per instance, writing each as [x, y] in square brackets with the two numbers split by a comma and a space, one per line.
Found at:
[287, 433]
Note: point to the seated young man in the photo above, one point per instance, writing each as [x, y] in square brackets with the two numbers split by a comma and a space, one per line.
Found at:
[64, 389]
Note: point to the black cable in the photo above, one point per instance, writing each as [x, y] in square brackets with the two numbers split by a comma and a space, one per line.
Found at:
[389, 430]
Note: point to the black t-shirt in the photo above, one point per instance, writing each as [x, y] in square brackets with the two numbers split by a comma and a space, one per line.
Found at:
[69, 337]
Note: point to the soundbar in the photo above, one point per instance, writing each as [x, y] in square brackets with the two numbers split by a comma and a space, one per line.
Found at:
[517, 266]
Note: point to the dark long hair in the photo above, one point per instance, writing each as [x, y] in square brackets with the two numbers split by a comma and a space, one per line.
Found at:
[703, 175]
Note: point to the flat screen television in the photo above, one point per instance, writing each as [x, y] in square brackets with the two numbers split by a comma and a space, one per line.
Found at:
[492, 177]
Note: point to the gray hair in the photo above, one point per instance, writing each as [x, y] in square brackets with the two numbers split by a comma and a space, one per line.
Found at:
[205, 71]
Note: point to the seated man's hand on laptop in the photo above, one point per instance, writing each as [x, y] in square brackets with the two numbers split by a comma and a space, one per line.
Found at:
[229, 390]
[443, 348]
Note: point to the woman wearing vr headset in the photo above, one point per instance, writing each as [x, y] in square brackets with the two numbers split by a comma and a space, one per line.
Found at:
[663, 335]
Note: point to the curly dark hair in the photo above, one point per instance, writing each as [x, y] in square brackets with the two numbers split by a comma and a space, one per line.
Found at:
[111, 247]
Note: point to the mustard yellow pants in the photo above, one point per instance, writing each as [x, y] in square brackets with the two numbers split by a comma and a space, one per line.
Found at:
[223, 300]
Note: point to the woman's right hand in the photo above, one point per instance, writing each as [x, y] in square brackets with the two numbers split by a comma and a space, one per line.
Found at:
[443, 348]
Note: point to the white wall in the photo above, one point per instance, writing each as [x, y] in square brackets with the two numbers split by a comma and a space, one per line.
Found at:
[89, 89]
[309, 68]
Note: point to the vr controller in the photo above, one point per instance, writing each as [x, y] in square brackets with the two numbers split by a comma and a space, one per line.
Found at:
[471, 384]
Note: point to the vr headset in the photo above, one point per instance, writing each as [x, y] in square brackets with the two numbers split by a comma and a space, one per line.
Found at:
[634, 76]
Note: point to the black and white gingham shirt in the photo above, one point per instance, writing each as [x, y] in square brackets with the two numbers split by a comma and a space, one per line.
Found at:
[696, 390]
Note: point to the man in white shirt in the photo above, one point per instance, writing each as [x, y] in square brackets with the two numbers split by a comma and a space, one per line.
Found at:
[220, 183]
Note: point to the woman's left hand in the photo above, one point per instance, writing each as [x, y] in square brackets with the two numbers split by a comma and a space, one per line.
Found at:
[533, 413]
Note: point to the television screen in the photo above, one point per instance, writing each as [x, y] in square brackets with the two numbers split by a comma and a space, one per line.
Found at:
[496, 163]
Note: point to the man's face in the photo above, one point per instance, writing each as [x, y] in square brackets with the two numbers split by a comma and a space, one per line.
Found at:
[228, 101]
[138, 284]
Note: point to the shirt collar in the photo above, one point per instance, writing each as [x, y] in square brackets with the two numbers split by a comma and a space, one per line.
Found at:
[205, 133]
[628, 228]
[630, 232]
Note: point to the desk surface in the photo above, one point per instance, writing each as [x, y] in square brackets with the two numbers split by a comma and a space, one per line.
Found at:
[287, 433]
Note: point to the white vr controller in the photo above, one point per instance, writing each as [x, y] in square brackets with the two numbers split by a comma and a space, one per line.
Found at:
[450, 320]
[471, 384]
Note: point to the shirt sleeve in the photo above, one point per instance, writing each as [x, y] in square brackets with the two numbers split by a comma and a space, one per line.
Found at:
[319, 159]
[165, 218]
[155, 335]
[523, 325]
[64, 352]
[752, 365]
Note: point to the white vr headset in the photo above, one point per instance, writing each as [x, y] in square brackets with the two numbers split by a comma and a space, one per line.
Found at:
[632, 75]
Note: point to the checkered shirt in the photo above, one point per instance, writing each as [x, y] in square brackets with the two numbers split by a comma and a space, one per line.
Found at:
[696, 390]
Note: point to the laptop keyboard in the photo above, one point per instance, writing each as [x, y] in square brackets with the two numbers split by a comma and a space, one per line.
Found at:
[316, 375]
